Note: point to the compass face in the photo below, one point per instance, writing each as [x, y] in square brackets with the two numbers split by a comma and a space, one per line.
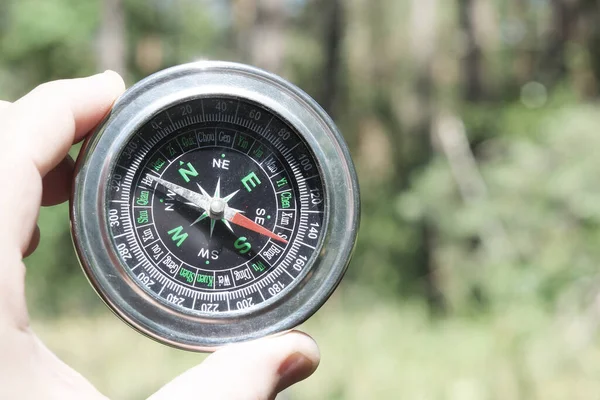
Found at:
[215, 205]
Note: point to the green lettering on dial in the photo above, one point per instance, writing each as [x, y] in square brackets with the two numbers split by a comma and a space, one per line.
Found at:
[187, 172]
[242, 245]
[177, 236]
[250, 179]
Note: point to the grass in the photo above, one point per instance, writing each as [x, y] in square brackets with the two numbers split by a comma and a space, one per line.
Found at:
[371, 349]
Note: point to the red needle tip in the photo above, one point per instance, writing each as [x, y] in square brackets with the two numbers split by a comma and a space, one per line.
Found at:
[247, 223]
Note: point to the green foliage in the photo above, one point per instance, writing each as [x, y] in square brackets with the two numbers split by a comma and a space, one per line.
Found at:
[511, 273]
[55, 282]
[43, 40]
[541, 194]
[371, 350]
[178, 31]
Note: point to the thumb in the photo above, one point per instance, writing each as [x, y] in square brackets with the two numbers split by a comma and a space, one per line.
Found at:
[253, 370]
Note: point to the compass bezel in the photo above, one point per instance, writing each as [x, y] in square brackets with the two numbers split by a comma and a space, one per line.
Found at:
[137, 106]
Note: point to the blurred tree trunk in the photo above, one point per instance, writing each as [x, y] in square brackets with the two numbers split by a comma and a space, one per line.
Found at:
[522, 68]
[410, 139]
[259, 32]
[471, 63]
[472, 92]
[333, 36]
[423, 20]
[553, 63]
[590, 14]
[243, 15]
[267, 36]
[111, 39]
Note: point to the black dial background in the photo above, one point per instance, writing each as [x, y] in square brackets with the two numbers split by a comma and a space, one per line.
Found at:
[172, 213]
[147, 223]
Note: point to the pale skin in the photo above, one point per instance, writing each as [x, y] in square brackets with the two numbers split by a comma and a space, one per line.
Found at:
[35, 135]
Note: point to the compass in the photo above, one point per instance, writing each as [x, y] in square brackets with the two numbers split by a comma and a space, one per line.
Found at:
[216, 203]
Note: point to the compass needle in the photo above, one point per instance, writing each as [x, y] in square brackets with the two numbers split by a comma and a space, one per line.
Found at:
[247, 223]
[202, 191]
[227, 198]
[218, 189]
[212, 227]
[227, 225]
[200, 218]
[224, 204]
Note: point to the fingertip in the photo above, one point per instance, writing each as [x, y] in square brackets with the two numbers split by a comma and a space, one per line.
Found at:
[260, 368]
[66, 111]
[302, 362]
[106, 87]
[116, 79]
[286, 343]
[305, 345]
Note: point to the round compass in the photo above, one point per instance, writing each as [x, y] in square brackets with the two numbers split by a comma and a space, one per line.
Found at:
[216, 203]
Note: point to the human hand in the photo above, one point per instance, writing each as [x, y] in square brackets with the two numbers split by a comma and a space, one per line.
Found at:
[37, 132]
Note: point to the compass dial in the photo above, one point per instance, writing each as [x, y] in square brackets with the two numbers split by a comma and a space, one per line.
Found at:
[215, 205]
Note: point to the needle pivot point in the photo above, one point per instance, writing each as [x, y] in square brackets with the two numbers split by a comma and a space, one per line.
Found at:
[217, 208]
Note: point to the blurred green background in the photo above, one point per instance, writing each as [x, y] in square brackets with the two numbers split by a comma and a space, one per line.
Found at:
[475, 128]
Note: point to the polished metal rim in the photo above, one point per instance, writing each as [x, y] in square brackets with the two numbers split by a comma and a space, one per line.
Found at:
[137, 106]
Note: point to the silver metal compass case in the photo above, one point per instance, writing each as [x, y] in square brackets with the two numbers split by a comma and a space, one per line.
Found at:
[101, 262]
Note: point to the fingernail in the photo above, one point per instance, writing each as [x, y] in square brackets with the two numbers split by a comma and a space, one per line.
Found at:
[113, 74]
[297, 365]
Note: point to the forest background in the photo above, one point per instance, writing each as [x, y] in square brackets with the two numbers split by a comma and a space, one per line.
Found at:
[475, 129]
